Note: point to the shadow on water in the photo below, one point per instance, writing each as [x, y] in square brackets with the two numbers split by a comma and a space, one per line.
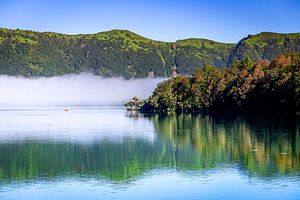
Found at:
[262, 147]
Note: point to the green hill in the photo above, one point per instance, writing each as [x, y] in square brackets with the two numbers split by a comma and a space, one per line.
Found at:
[265, 45]
[126, 54]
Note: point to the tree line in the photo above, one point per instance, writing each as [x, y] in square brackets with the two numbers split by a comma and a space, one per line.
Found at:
[263, 86]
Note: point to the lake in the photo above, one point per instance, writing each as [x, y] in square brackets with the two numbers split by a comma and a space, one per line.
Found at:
[107, 153]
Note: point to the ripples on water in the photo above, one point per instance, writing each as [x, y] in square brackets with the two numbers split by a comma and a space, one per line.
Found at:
[88, 153]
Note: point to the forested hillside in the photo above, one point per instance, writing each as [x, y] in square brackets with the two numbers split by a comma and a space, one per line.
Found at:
[123, 53]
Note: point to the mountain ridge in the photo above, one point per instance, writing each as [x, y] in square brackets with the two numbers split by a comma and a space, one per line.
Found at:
[124, 53]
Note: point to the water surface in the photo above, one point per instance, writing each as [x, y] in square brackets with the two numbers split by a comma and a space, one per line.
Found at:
[106, 153]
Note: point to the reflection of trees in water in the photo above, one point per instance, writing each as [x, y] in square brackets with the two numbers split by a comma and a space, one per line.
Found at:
[261, 147]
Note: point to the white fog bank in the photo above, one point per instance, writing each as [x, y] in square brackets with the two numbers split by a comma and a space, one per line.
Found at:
[72, 90]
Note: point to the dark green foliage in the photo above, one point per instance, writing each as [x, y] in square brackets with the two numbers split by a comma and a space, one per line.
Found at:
[126, 54]
[261, 87]
[133, 104]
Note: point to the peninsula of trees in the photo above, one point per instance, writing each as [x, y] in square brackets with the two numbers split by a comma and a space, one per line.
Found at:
[247, 86]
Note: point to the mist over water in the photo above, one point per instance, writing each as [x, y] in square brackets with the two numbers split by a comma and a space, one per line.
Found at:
[72, 90]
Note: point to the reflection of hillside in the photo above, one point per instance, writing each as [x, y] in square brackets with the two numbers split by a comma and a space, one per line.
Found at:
[265, 148]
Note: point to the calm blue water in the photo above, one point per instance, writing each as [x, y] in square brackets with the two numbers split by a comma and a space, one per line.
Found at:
[106, 153]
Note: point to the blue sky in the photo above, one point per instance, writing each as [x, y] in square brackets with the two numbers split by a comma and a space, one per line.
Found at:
[169, 20]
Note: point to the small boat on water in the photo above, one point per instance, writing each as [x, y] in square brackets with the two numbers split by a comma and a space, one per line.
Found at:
[66, 109]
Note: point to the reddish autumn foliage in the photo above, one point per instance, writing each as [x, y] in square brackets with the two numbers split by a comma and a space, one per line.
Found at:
[247, 87]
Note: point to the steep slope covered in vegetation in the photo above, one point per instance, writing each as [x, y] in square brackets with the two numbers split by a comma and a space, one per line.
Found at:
[265, 45]
[123, 53]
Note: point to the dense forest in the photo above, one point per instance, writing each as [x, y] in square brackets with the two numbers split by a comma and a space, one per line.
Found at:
[245, 87]
[126, 54]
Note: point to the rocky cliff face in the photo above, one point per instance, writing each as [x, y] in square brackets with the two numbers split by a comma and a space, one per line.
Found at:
[126, 54]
